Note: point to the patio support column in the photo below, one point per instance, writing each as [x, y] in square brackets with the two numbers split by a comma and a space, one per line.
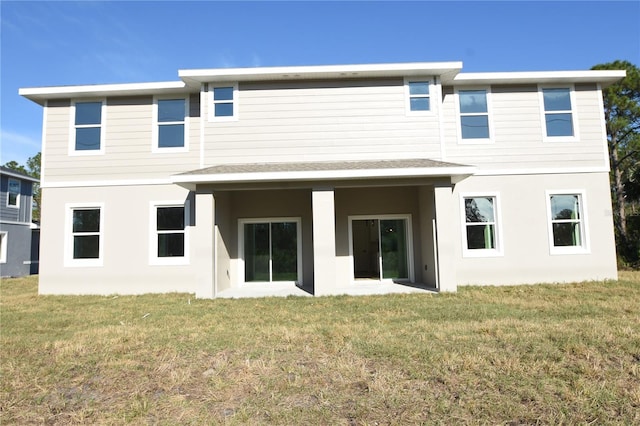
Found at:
[445, 237]
[324, 241]
[203, 244]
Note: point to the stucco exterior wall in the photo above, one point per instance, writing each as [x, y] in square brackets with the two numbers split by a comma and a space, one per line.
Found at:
[524, 218]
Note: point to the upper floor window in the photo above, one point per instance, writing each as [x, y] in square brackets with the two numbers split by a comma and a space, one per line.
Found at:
[223, 103]
[170, 130]
[474, 115]
[567, 230]
[418, 97]
[88, 127]
[558, 113]
[481, 225]
[13, 193]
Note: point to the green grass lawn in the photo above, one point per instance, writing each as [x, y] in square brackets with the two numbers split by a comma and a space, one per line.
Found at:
[544, 354]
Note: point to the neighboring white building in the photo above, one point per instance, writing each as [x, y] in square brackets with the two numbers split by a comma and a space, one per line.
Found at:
[334, 179]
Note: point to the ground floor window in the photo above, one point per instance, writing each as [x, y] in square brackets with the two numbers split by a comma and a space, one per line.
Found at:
[84, 235]
[381, 247]
[481, 233]
[3, 247]
[271, 250]
[169, 233]
[566, 222]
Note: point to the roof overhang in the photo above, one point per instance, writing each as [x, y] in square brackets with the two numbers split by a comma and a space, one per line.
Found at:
[41, 94]
[18, 175]
[604, 77]
[323, 172]
[446, 70]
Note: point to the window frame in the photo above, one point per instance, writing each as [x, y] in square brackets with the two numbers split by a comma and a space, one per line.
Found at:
[72, 128]
[408, 96]
[155, 146]
[543, 113]
[154, 259]
[459, 115]
[211, 102]
[241, 255]
[69, 260]
[17, 204]
[4, 236]
[584, 247]
[499, 248]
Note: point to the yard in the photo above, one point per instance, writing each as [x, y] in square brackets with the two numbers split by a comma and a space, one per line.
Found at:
[545, 354]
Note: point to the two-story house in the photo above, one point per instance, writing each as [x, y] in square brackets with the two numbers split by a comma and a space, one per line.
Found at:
[19, 237]
[325, 180]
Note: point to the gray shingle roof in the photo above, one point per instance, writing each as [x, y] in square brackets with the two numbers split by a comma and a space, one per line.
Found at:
[419, 163]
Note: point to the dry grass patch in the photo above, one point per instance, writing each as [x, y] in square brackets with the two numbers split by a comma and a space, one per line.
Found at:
[546, 354]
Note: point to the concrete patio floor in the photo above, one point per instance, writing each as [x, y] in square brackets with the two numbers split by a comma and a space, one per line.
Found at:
[358, 288]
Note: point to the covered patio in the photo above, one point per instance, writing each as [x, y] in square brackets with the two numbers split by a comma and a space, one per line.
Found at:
[242, 212]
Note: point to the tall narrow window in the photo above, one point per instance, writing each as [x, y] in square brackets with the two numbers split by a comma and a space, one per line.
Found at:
[3, 246]
[170, 229]
[481, 226]
[558, 115]
[171, 123]
[88, 126]
[13, 193]
[223, 103]
[419, 97]
[86, 233]
[474, 114]
[567, 221]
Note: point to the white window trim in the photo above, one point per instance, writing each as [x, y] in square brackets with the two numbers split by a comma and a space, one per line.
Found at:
[584, 248]
[153, 233]
[409, 230]
[155, 138]
[69, 261]
[17, 205]
[407, 96]
[574, 113]
[211, 106]
[3, 246]
[72, 128]
[495, 252]
[242, 222]
[489, 113]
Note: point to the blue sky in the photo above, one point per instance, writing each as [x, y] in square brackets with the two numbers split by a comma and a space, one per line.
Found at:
[70, 43]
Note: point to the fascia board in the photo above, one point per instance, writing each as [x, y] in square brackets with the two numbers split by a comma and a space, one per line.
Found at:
[322, 175]
[448, 69]
[605, 77]
[41, 94]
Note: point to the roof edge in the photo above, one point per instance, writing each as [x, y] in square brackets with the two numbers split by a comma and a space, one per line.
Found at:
[605, 77]
[41, 94]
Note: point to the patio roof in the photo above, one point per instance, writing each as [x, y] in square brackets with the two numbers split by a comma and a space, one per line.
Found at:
[324, 171]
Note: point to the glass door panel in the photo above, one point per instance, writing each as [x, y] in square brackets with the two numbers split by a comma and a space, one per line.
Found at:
[284, 251]
[393, 248]
[256, 252]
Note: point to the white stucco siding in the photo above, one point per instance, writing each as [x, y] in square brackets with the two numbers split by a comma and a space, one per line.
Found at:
[321, 121]
[128, 145]
[126, 234]
[518, 132]
[523, 222]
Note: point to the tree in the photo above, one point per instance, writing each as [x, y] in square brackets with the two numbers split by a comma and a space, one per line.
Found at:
[33, 170]
[622, 116]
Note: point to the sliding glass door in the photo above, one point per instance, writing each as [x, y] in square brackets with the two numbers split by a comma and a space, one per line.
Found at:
[380, 248]
[271, 251]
